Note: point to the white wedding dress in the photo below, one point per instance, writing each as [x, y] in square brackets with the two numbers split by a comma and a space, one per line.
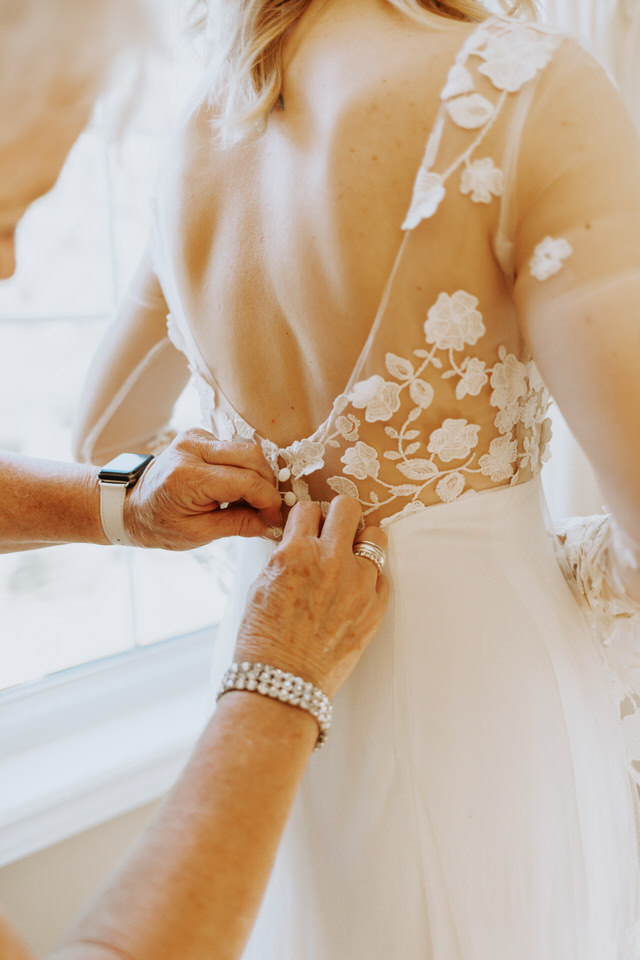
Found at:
[476, 798]
[472, 802]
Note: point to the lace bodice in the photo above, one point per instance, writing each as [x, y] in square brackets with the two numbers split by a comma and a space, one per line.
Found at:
[450, 407]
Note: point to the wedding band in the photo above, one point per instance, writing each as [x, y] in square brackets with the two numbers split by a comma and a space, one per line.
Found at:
[370, 551]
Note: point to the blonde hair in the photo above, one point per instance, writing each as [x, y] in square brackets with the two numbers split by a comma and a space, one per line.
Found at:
[68, 46]
[244, 39]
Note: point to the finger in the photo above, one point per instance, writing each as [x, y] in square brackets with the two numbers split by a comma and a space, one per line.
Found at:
[235, 521]
[303, 521]
[226, 484]
[373, 535]
[342, 521]
[383, 590]
[248, 456]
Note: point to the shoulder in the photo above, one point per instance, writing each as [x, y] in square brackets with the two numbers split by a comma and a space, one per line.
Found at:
[578, 112]
[512, 53]
[190, 150]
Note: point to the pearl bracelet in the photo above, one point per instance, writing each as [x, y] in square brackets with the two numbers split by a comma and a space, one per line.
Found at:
[285, 687]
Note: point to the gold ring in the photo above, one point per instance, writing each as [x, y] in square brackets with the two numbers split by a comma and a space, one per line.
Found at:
[370, 551]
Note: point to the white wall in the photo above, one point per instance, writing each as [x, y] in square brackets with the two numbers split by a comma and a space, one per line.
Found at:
[43, 893]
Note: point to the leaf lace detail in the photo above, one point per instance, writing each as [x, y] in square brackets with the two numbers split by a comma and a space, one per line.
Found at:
[512, 55]
[448, 455]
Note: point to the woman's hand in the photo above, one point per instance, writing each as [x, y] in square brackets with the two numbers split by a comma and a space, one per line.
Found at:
[176, 504]
[316, 606]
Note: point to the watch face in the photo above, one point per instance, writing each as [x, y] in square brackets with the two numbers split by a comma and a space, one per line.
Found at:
[125, 468]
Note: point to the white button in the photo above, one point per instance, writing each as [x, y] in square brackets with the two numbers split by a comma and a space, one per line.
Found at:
[284, 475]
[290, 498]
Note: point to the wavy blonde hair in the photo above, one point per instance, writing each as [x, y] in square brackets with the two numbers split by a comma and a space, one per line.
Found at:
[243, 40]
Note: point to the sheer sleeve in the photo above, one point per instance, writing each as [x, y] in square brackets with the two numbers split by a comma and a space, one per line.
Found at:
[575, 215]
[575, 222]
[134, 380]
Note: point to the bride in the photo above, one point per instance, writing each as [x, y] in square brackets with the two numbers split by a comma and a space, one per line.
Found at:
[385, 230]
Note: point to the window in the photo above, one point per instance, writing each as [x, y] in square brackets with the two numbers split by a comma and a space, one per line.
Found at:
[77, 249]
[104, 652]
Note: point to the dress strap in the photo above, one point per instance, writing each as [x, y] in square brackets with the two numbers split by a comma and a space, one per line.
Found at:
[510, 54]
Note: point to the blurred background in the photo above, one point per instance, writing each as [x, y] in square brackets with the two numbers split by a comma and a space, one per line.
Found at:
[77, 250]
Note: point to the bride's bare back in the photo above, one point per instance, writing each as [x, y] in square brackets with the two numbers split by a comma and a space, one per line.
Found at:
[515, 235]
[283, 245]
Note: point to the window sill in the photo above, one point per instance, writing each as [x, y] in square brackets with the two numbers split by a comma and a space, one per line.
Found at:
[91, 743]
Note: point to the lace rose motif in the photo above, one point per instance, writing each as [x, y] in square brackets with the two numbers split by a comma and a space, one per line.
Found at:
[452, 324]
[509, 381]
[454, 440]
[454, 321]
[361, 461]
[304, 457]
[549, 258]
[483, 181]
[517, 391]
[499, 463]
[515, 57]
[378, 397]
[473, 379]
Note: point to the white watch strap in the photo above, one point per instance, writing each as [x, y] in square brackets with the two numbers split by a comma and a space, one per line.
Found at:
[112, 512]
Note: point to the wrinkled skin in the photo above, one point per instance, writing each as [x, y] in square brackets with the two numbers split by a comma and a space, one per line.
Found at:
[316, 606]
[176, 504]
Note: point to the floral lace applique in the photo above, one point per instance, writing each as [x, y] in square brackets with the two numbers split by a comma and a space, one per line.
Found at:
[448, 455]
[456, 440]
[513, 57]
[512, 54]
[549, 258]
[483, 180]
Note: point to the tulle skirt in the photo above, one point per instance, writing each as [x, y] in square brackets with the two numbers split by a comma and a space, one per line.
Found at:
[472, 802]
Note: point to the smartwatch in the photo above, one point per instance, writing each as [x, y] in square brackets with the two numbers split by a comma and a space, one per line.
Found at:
[114, 480]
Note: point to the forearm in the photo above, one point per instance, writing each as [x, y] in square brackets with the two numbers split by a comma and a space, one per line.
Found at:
[134, 380]
[12, 947]
[43, 502]
[193, 886]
